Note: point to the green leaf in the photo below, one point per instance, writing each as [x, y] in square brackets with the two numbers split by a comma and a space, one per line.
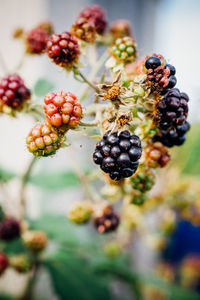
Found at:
[6, 175]
[55, 180]
[14, 247]
[42, 87]
[73, 279]
[134, 277]
[60, 229]
[187, 156]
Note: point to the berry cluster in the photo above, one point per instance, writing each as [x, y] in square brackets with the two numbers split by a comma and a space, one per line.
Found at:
[124, 49]
[120, 28]
[63, 49]
[84, 30]
[108, 221]
[35, 241]
[96, 16]
[172, 109]
[160, 76]
[143, 181]
[36, 40]
[80, 212]
[62, 109]
[9, 229]
[174, 137]
[43, 140]
[118, 154]
[13, 91]
[156, 155]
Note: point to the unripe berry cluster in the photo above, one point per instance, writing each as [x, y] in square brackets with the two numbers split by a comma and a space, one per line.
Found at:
[143, 181]
[63, 49]
[43, 140]
[124, 49]
[120, 28]
[118, 154]
[62, 109]
[80, 212]
[36, 40]
[13, 91]
[156, 155]
[84, 30]
[96, 16]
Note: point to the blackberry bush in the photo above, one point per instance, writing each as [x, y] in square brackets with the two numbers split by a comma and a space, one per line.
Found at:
[118, 154]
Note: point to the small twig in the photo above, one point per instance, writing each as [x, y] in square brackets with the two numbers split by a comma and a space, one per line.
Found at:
[25, 179]
[77, 72]
[85, 124]
[3, 64]
[21, 62]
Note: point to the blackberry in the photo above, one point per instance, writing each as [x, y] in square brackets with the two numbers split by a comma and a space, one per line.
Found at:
[160, 76]
[108, 221]
[118, 155]
[143, 181]
[176, 136]
[9, 229]
[172, 109]
[35, 241]
[13, 91]
[96, 16]
[44, 140]
[62, 109]
[156, 155]
[63, 49]
[84, 30]
[120, 28]
[36, 40]
[124, 49]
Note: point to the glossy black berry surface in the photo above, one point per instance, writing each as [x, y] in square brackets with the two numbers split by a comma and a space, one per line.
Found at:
[152, 62]
[118, 155]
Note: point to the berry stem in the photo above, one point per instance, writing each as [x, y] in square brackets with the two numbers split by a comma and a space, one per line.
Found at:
[21, 62]
[94, 72]
[29, 292]
[77, 72]
[25, 179]
[85, 124]
[3, 64]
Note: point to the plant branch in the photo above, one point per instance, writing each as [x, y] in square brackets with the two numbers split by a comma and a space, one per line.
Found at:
[25, 179]
[77, 72]
[29, 293]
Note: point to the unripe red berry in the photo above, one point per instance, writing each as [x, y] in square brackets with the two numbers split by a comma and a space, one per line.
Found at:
[13, 91]
[3, 262]
[63, 49]
[36, 40]
[84, 30]
[96, 16]
[44, 140]
[62, 110]
[9, 229]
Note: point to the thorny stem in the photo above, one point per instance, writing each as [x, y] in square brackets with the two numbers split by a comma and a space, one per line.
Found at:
[77, 72]
[25, 179]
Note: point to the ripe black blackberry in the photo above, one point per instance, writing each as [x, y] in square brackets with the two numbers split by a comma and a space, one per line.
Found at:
[174, 137]
[159, 75]
[172, 109]
[118, 155]
[108, 221]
